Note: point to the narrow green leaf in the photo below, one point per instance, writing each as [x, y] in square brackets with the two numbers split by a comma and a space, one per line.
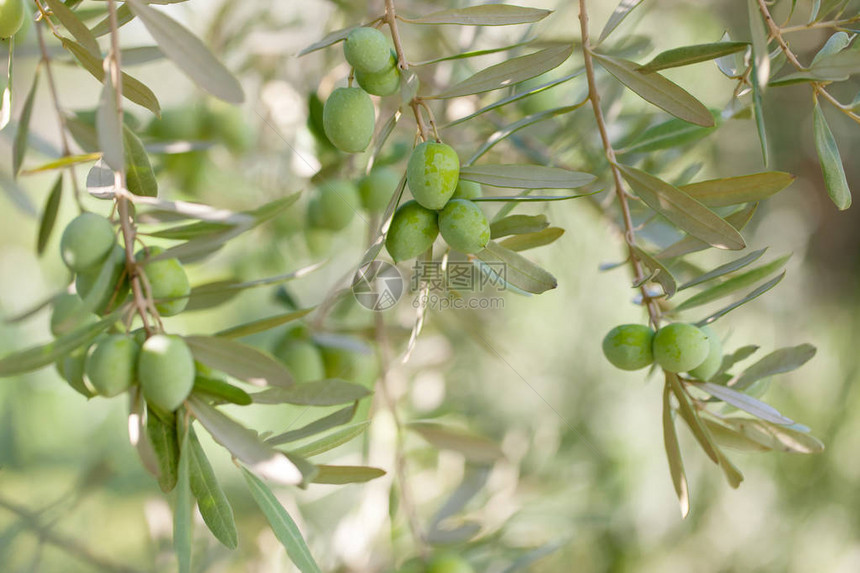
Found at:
[813, 12]
[683, 210]
[123, 16]
[728, 437]
[518, 225]
[510, 72]
[6, 102]
[835, 44]
[49, 215]
[751, 296]
[475, 448]
[264, 324]
[742, 353]
[692, 55]
[239, 360]
[485, 15]
[183, 525]
[721, 270]
[512, 200]
[140, 178]
[109, 128]
[776, 437]
[245, 444]
[331, 441]
[672, 133]
[164, 439]
[330, 392]
[328, 40]
[690, 244]
[220, 390]
[732, 473]
[469, 54]
[782, 360]
[744, 402]
[346, 474]
[189, 54]
[532, 240]
[691, 417]
[830, 160]
[74, 25]
[735, 190]
[516, 269]
[673, 453]
[733, 284]
[525, 176]
[621, 11]
[19, 147]
[282, 524]
[659, 273]
[760, 56]
[63, 162]
[658, 91]
[338, 418]
[213, 504]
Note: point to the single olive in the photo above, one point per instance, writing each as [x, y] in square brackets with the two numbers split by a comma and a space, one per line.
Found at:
[167, 281]
[628, 346]
[11, 17]
[448, 563]
[349, 119]
[366, 50]
[302, 358]
[86, 241]
[113, 292]
[413, 230]
[165, 368]
[319, 241]
[464, 226]
[680, 347]
[383, 83]
[68, 314]
[706, 370]
[377, 187]
[432, 173]
[334, 205]
[111, 367]
[467, 190]
[71, 368]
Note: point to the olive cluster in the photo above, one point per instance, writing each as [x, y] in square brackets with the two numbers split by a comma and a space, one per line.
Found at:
[163, 365]
[442, 204]
[348, 114]
[677, 347]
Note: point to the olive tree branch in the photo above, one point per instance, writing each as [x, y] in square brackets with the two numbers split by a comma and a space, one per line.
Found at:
[629, 234]
[390, 18]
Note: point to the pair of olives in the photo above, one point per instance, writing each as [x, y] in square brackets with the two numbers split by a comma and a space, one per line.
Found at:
[308, 361]
[442, 204]
[677, 347]
[348, 113]
[89, 243]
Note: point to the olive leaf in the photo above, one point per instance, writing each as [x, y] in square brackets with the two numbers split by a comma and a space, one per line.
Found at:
[692, 55]
[331, 392]
[673, 454]
[518, 225]
[474, 447]
[751, 296]
[162, 434]
[777, 362]
[532, 240]
[721, 270]
[690, 244]
[264, 324]
[774, 436]
[484, 15]
[140, 178]
[19, 146]
[621, 12]
[49, 215]
[525, 176]
[74, 25]
[239, 360]
[733, 284]
[213, 504]
[220, 390]
[659, 272]
[744, 402]
[183, 524]
[331, 441]
[515, 269]
[742, 189]
[831, 161]
[338, 418]
[346, 474]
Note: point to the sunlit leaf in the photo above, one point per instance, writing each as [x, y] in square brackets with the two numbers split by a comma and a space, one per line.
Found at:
[74, 25]
[485, 15]
[743, 189]
[673, 453]
[834, 44]
[328, 40]
[744, 402]
[516, 269]
[775, 437]
[532, 240]
[124, 15]
[621, 11]
[728, 437]
[525, 176]
[782, 360]
[346, 474]
[140, 179]
[691, 417]
[692, 55]
[831, 161]
[518, 225]
[690, 244]
[760, 54]
[239, 360]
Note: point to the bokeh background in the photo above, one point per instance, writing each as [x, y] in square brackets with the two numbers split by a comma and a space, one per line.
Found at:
[584, 479]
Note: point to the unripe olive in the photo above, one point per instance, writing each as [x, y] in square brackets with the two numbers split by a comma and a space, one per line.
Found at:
[464, 226]
[432, 174]
[302, 358]
[377, 188]
[413, 230]
[467, 190]
[165, 369]
[86, 241]
[448, 563]
[349, 119]
[706, 370]
[168, 282]
[71, 368]
[319, 241]
[383, 83]
[628, 346]
[339, 362]
[680, 347]
[11, 17]
[111, 367]
[366, 50]
[68, 314]
[117, 288]
[334, 205]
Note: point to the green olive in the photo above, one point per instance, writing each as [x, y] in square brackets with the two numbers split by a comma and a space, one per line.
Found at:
[71, 368]
[467, 190]
[111, 366]
[334, 205]
[377, 188]
[86, 241]
[11, 17]
[349, 119]
[448, 563]
[366, 50]
[432, 174]
[319, 241]
[383, 83]
[680, 347]
[165, 368]
[115, 290]
[302, 358]
[706, 370]
[167, 280]
[628, 346]
[413, 230]
[68, 314]
[464, 226]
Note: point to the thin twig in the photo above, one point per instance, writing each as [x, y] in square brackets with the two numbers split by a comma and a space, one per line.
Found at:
[390, 18]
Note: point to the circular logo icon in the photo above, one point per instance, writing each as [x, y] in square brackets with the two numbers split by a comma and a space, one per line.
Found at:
[377, 285]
